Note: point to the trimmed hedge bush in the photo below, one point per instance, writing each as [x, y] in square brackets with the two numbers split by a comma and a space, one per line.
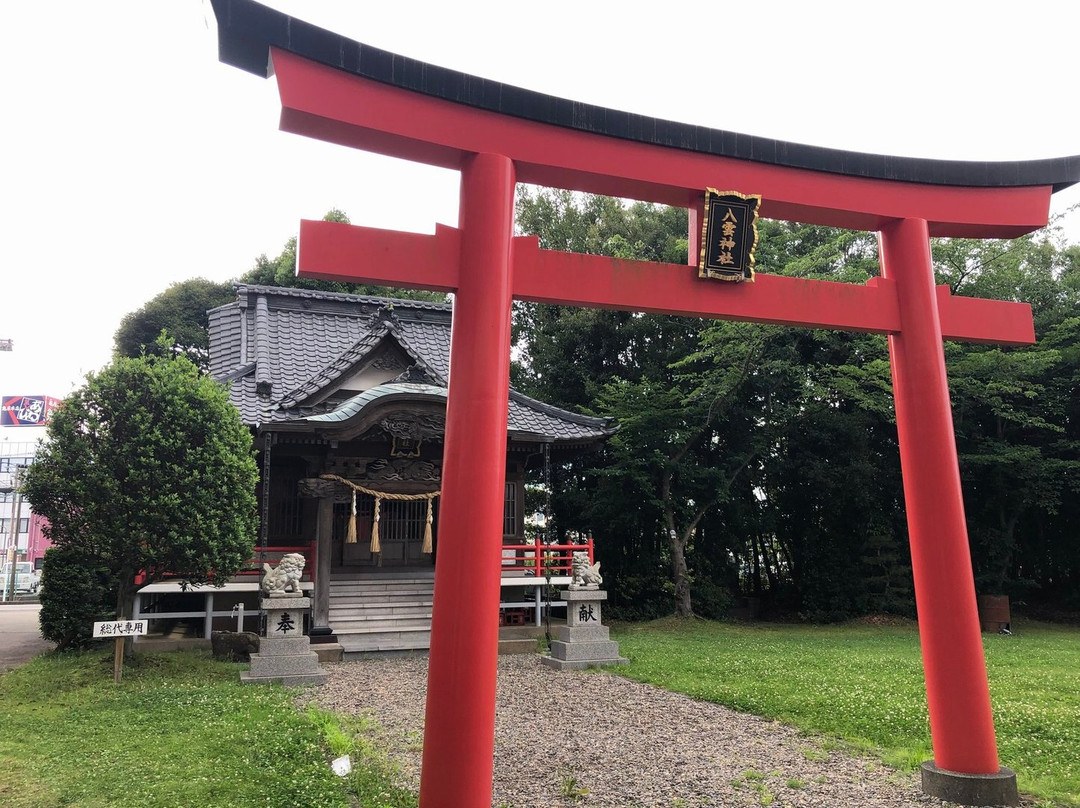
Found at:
[76, 591]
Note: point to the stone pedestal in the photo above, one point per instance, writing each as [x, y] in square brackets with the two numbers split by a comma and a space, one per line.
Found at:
[970, 789]
[583, 642]
[285, 653]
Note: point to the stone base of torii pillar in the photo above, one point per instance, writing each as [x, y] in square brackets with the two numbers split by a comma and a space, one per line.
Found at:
[285, 653]
[583, 642]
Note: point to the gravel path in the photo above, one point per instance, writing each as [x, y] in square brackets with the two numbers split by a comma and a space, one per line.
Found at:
[639, 747]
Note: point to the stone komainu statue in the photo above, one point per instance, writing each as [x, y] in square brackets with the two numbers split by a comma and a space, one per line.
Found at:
[286, 578]
[585, 575]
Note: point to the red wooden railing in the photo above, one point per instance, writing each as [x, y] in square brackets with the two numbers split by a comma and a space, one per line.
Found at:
[539, 558]
[253, 566]
[535, 557]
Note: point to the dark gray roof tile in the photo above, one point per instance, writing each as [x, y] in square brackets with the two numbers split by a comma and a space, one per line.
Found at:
[431, 341]
[300, 343]
[330, 373]
[224, 339]
[535, 418]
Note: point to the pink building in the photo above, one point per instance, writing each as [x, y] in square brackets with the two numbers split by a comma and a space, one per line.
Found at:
[30, 541]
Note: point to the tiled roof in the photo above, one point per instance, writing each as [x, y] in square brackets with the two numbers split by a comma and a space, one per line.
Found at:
[225, 325]
[285, 351]
[433, 344]
[337, 297]
[532, 417]
[353, 356]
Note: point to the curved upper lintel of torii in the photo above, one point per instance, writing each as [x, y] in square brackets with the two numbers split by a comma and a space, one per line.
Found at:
[444, 115]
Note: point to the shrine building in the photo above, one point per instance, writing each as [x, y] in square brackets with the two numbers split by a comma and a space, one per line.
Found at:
[346, 395]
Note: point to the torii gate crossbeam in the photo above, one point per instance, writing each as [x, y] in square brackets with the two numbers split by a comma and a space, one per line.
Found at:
[341, 91]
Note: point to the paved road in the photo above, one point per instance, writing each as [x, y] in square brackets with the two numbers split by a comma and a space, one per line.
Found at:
[20, 640]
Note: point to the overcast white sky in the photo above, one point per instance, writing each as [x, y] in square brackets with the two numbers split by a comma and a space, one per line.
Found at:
[132, 158]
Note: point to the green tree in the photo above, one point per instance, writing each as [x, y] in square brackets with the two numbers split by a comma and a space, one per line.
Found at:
[685, 439]
[1015, 412]
[828, 485]
[181, 312]
[699, 485]
[77, 591]
[147, 468]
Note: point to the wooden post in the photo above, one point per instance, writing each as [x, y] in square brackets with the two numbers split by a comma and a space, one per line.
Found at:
[118, 659]
[320, 604]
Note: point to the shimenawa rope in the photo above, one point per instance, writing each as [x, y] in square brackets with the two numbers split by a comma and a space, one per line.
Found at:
[350, 536]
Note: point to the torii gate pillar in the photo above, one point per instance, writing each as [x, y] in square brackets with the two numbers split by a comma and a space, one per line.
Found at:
[465, 620]
[958, 696]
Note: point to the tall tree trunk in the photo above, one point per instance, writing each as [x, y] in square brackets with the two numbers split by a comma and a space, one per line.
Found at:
[680, 574]
[125, 603]
[1008, 530]
[768, 557]
[679, 568]
[755, 566]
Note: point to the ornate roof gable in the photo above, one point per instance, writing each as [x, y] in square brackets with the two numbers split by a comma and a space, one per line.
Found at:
[384, 348]
[290, 357]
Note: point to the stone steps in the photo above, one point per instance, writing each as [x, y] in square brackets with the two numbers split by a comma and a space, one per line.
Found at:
[385, 613]
[384, 577]
[328, 651]
[389, 614]
[519, 639]
[367, 624]
[340, 598]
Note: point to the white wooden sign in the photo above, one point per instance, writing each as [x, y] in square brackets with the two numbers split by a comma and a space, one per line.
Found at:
[119, 628]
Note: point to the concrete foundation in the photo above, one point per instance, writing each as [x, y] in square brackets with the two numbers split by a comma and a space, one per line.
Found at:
[970, 789]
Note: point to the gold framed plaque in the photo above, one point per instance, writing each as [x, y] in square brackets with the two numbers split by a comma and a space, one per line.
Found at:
[729, 235]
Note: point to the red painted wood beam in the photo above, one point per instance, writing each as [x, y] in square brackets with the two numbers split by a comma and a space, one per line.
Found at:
[596, 281]
[335, 106]
[333, 251]
[341, 252]
[991, 322]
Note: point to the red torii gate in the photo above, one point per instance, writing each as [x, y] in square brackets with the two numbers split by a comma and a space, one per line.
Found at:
[338, 90]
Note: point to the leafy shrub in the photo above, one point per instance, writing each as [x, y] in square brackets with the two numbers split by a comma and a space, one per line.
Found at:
[638, 598]
[710, 599]
[76, 590]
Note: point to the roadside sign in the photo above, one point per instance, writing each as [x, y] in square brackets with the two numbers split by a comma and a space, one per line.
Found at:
[119, 628]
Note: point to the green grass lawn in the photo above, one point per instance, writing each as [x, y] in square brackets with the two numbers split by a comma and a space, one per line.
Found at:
[864, 685]
[179, 730]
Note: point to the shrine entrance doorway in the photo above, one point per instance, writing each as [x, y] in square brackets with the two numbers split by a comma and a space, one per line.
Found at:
[401, 535]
